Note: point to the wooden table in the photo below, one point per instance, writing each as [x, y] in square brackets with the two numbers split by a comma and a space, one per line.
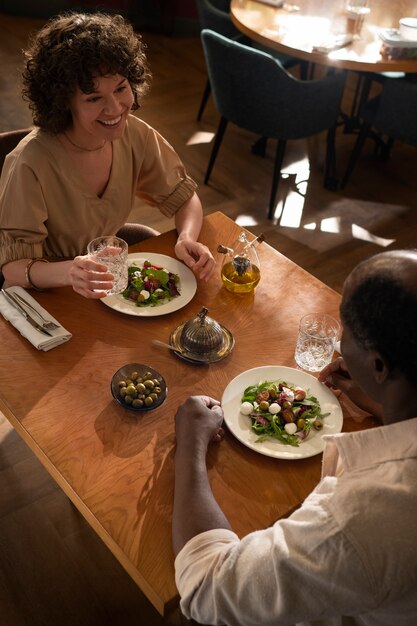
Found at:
[117, 468]
[296, 33]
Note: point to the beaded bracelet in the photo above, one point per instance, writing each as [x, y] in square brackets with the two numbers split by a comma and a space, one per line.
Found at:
[27, 272]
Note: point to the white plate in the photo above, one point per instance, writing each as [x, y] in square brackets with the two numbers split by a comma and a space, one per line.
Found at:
[392, 37]
[240, 425]
[188, 287]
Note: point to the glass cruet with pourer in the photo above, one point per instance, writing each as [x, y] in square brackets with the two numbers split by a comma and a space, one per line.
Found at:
[241, 270]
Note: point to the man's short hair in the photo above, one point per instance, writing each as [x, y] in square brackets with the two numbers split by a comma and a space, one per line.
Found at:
[381, 314]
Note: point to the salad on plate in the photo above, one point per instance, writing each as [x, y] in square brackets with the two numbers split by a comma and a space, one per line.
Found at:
[151, 285]
[280, 410]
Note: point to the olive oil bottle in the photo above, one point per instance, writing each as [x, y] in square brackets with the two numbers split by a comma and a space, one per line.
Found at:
[240, 270]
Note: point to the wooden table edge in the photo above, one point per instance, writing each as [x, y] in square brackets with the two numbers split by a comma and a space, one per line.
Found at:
[160, 605]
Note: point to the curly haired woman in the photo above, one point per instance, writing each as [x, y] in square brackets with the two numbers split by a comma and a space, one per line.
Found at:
[76, 175]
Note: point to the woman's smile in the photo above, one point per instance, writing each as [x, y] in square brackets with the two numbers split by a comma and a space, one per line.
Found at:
[112, 122]
[101, 114]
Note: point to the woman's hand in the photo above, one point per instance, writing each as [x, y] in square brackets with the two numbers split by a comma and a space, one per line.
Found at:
[199, 421]
[89, 278]
[197, 256]
[337, 377]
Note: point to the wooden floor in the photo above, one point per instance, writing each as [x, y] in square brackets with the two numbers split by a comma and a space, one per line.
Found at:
[54, 571]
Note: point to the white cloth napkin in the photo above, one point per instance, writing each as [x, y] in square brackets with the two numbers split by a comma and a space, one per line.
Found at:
[36, 338]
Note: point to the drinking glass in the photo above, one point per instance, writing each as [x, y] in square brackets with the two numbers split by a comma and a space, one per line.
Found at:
[112, 252]
[317, 335]
[356, 10]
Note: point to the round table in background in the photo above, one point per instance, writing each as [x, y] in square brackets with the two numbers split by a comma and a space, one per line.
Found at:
[297, 32]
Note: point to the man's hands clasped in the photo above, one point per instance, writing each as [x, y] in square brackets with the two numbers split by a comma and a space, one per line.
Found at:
[198, 422]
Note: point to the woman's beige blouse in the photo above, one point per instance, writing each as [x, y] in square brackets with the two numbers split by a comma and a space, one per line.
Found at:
[47, 210]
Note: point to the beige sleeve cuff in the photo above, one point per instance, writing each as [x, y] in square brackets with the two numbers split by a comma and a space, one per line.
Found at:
[183, 192]
[14, 250]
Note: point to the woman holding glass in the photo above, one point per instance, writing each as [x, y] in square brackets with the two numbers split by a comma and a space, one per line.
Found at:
[76, 175]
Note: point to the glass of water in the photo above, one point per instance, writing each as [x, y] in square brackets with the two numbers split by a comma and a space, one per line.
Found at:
[112, 252]
[356, 11]
[317, 335]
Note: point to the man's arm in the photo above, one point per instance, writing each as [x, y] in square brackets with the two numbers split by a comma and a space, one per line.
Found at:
[197, 422]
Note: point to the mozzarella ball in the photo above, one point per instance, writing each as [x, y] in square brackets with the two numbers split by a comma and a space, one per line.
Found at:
[274, 408]
[246, 408]
[290, 428]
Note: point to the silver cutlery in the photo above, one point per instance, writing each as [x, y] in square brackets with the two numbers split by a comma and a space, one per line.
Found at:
[48, 324]
[15, 303]
[162, 344]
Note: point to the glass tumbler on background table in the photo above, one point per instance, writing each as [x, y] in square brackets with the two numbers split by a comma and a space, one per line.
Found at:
[112, 252]
[356, 11]
[317, 336]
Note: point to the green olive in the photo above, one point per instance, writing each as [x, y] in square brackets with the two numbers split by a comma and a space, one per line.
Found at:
[318, 425]
[142, 390]
[264, 405]
[301, 423]
[286, 405]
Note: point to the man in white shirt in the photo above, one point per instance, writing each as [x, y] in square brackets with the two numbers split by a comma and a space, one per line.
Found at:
[348, 555]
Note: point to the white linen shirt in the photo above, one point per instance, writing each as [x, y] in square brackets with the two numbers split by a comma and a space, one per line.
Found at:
[347, 556]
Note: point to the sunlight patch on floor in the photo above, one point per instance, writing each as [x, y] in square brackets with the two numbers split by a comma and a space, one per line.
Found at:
[289, 211]
[333, 225]
[341, 221]
[292, 211]
[200, 137]
[365, 235]
[328, 225]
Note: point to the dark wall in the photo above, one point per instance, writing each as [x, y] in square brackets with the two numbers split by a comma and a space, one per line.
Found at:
[164, 16]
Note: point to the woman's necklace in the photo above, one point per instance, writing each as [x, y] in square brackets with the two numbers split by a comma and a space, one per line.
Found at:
[84, 149]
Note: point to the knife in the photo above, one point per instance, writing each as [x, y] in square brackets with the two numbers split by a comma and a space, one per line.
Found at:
[9, 297]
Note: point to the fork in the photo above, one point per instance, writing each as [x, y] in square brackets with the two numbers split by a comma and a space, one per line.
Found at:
[48, 324]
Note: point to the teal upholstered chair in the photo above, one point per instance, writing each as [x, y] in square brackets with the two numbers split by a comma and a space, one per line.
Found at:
[252, 90]
[215, 15]
[390, 115]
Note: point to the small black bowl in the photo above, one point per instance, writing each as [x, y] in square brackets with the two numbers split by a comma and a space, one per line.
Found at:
[138, 373]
